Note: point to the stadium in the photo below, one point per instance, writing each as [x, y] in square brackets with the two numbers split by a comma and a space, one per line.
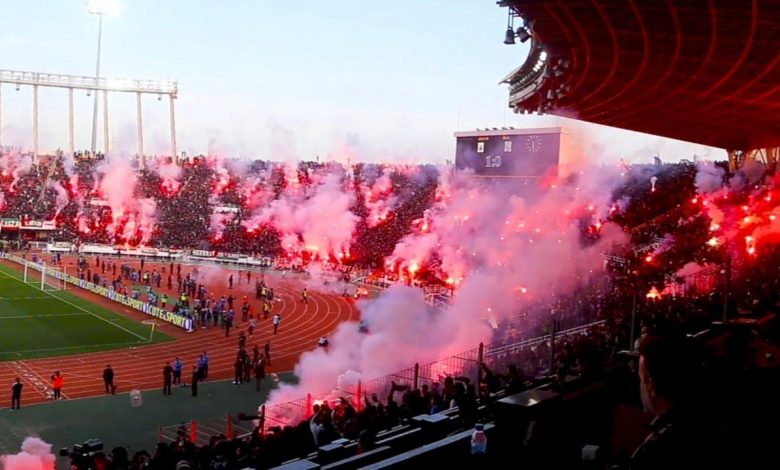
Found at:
[519, 306]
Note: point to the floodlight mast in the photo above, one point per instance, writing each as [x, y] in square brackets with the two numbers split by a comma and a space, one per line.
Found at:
[95, 7]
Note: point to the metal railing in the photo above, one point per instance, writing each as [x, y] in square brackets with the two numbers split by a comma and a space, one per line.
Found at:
[293, 412]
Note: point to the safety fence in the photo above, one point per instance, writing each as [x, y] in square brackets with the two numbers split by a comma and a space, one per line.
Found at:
[200, 432]
[464, 366]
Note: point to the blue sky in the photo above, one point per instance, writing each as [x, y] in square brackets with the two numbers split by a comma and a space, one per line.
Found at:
[369, 80]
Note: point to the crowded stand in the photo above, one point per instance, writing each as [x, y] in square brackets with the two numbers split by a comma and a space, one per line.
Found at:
[670, 249]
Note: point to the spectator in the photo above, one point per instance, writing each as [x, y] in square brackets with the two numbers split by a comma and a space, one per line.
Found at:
[681, 435]
[16, 394]
[108, 380]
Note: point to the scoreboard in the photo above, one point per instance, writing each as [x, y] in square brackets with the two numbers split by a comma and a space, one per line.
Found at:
[509, 152]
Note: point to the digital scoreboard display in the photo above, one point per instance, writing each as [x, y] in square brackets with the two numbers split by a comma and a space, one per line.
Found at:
[508, 153]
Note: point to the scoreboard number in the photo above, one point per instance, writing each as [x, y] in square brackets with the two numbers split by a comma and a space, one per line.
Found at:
[493, 161]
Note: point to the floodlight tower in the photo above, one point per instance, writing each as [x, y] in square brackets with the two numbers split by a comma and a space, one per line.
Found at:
[99, 8]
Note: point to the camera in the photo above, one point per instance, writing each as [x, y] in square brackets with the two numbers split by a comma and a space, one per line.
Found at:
[81, 455]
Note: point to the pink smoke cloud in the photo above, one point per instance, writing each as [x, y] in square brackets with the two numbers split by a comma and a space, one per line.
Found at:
[492, 242]
[318, 220]
[35, 455]
[131, 216]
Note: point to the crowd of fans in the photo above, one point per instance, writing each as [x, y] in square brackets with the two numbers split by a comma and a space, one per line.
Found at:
[183, 214]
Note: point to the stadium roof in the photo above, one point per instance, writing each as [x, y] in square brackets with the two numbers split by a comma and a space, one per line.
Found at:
[705, 71]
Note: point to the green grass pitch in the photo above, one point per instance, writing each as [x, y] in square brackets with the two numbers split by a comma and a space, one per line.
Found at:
[35, 323]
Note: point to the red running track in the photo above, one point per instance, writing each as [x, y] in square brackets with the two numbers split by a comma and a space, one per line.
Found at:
[141, 367]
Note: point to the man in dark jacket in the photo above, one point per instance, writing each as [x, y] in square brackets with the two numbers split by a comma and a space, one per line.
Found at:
[108, 380]
[682, 436]
[16, 394]
[195, 379]
[167, 378]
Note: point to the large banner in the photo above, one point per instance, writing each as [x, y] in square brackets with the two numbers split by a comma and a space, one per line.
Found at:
[157, 312]
[7, 223]
[204, 253]
[60, 246]
[38, 225]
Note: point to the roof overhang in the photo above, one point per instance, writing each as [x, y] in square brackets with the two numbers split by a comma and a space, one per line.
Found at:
[705, 72]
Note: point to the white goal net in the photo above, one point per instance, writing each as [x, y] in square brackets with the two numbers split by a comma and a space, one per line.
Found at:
[35, 274]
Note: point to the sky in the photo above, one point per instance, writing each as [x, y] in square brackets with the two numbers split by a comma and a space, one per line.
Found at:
[363, 80]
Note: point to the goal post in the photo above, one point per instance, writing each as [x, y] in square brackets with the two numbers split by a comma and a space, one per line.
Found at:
[35, 275]
[48, 282]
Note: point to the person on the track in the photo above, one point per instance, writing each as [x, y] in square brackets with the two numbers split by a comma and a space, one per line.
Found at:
[266, 309]
[57, 381]
[230, 282]
[245, 310]
[195, 380]
[167, 378]
[16, 394]
[259, 373]
[252, 324]
[203, 366]
[177, 366]
[276, 321]
[201, 312]
[108, 380]
[238, 366]
[305, 296]
[229, 316]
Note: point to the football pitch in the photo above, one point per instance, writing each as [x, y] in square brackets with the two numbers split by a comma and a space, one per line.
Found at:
[36, 323]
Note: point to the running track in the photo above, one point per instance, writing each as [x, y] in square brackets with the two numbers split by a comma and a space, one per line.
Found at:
[141, 367]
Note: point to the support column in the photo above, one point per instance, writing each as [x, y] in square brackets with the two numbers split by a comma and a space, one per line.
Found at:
[71, 145]
[35, 124]
[141, 157]
[105, 124]
[173, 132]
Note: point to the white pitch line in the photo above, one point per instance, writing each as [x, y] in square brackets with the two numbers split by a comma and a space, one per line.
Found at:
[82, 309]
[43, 315]
[83, 346]
[22, 298]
